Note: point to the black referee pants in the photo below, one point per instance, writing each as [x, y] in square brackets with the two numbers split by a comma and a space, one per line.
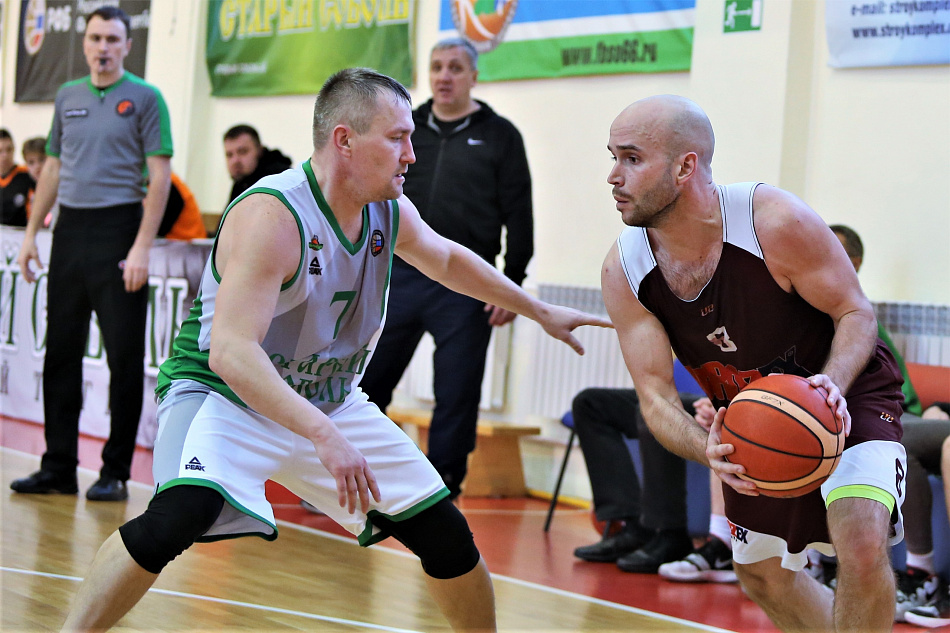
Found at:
[84, 277]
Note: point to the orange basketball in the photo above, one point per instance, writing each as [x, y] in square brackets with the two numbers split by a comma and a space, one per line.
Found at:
[785, 435]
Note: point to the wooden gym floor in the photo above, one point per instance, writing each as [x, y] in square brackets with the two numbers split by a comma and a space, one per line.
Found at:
[314, 577]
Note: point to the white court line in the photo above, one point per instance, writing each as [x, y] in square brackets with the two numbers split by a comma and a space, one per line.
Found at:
[234, 603]
[525, 583]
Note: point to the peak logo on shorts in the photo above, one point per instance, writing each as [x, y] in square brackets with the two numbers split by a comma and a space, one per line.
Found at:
[376, 243]
[75, 113]
[194, 464]
[125, 108]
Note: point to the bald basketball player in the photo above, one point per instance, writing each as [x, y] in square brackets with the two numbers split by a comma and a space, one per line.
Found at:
[745, 280]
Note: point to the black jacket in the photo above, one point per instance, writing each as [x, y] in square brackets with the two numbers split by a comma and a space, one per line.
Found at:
[471, 182]
[272, 161]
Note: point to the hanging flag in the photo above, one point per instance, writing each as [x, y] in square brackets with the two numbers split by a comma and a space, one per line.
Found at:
[524, 39]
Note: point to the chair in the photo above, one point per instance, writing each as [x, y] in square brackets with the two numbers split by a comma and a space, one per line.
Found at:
[567, 420]
[685, 383]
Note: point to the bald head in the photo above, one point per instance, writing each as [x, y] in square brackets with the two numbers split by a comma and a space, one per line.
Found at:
[673, 124]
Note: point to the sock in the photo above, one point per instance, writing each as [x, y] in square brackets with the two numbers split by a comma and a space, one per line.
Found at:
[814, 557]
[719, 527]
[922, 561]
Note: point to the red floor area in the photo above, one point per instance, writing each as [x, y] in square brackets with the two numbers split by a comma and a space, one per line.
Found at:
[510, 536]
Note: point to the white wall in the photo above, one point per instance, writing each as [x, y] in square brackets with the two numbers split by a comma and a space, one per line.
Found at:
[866, 147]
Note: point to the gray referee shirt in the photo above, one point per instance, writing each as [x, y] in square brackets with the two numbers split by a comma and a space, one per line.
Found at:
[102, 138]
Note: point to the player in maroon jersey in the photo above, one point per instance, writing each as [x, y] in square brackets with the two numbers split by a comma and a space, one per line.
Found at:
[745, 280]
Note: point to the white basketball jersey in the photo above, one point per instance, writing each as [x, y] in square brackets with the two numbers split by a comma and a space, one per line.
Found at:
[327, 317]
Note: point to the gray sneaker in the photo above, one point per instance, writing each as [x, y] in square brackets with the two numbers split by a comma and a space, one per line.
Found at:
[710, 563]
[915, 588]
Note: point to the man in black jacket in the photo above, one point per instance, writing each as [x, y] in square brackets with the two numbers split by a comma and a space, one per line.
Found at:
[248, 160]
[469, 180]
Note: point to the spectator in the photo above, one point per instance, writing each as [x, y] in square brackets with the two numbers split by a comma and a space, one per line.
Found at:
[107, 129]
[937, 613]
[34, 155]
[182, 219]
[470, 181]
[16, 185]
[248, 160]
[652, 512]
[918, 585]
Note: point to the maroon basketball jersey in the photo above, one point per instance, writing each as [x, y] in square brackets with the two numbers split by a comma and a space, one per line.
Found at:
[742, 326]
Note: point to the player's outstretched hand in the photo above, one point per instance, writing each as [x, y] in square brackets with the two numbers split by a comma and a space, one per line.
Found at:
[559, 322]
[835, 400]
[716, 452]
[355, 481]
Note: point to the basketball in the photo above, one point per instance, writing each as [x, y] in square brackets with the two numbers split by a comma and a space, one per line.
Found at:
[785, 435]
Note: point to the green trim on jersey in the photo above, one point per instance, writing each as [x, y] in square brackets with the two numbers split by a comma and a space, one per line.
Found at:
[188, 481]
[367, 538]
[94, 89]
[188, 361]
[165, 122]
[351, 248]
[392, 252]
[280, 196]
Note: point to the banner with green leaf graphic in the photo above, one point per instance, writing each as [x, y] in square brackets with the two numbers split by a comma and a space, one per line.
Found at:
[275, 47]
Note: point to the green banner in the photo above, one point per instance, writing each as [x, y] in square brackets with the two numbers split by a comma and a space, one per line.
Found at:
[274, 47]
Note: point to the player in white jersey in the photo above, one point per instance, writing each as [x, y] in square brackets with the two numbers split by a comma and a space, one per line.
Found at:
[264, 379]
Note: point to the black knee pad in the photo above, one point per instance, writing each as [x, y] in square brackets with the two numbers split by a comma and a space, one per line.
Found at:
[175, 517]
[439, 536]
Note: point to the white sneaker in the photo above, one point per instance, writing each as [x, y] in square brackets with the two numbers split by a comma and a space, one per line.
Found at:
[710, 563]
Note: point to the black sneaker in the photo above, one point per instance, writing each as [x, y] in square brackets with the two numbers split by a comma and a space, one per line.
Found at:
[933, 615]
[710, 563]
[108, 489]
[629, 539]
[45, 482]
[666, 546]
[915, 588]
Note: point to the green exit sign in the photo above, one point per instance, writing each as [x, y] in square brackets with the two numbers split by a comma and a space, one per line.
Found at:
[742, 15]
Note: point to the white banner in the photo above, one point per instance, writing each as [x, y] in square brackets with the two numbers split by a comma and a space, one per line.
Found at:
[174, 273]
[887, 33]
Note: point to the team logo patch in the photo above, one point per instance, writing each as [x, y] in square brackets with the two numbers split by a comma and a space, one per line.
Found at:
[708, 309]
[482, 25]
[314, 243]
[315, 267]
[19, 200]
[125, 108]
[34, 26]
[720, 338]
[75, 113]
[376, 242]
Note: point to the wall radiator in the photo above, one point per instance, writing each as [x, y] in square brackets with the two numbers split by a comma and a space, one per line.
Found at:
[555, 374]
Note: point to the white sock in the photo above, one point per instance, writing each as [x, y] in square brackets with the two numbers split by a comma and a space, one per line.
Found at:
[922, 561]
[719, 527]
[814, 556]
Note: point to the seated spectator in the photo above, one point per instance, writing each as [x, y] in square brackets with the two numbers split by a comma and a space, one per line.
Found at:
[918, 585]
[182, 219]
[16, 185]
[712, 561]
[34, 155]
[937, 613]
[248, 160]
[652, 513]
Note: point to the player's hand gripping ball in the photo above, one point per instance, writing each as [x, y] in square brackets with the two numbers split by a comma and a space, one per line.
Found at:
[785, 435]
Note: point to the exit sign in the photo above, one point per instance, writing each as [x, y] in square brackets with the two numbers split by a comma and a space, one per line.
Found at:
[742, 15]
